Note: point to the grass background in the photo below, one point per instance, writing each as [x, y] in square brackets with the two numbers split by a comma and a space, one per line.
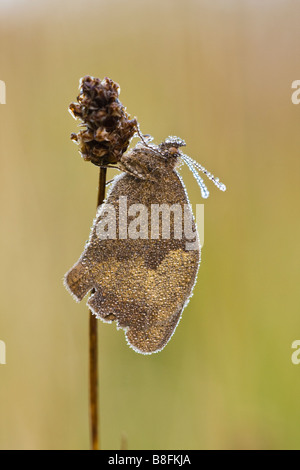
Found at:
[217, 74]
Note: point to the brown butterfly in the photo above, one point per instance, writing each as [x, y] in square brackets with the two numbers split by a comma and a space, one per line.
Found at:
[141, 261]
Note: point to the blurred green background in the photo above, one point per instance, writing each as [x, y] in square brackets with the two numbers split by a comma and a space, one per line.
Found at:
[217, 74]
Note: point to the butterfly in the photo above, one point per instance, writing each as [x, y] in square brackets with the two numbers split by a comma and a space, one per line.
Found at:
[141, 261]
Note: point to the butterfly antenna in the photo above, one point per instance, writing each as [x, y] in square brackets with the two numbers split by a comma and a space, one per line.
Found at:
[203, 188]
[188, 160]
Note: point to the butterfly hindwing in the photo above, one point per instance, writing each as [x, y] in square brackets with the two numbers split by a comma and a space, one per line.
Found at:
[142, 283]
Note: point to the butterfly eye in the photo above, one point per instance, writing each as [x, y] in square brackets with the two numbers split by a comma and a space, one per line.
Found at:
[173, 150]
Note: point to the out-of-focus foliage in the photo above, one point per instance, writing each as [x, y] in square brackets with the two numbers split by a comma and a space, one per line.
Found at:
[217, 74]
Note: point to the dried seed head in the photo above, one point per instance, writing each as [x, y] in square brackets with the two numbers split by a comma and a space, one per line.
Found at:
[106, 127]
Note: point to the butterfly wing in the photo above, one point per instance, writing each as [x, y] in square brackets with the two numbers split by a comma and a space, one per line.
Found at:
[143, 283]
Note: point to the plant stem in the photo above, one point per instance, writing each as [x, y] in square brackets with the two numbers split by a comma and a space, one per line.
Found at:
[93, 349]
